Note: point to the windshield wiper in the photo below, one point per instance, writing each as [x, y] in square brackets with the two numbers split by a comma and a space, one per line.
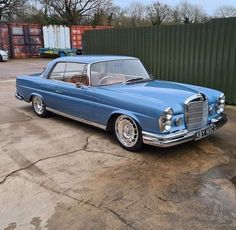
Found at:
[137, 79]
[134, 79]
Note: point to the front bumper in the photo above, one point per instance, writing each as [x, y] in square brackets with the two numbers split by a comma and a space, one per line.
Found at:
[167, 140]
[5, 57]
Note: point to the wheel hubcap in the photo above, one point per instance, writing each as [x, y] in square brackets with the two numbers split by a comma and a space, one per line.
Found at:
[38, 105]
[126, 131]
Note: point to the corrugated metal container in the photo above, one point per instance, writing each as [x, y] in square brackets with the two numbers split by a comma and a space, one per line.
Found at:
[202, 54]
[25, 39]
[78, 31]
[56, 37]
[4, 37]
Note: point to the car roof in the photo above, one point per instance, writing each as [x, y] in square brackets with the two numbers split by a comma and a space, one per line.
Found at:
[88, 59]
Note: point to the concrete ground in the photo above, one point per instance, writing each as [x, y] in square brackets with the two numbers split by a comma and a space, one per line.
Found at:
[56, 173]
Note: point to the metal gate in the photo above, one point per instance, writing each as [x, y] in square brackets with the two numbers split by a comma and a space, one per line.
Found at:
[203, 54]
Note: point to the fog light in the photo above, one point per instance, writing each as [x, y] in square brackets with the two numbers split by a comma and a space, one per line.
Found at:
[178, 121]
[211, 109]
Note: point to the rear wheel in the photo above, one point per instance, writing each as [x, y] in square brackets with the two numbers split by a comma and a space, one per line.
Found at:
[0, 57]
[128, 133]
[39, 106]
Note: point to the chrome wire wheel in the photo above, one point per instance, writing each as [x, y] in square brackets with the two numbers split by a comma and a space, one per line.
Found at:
[38, 105]
[126, 131]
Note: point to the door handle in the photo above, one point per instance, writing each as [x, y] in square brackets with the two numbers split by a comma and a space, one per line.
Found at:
[58, 91]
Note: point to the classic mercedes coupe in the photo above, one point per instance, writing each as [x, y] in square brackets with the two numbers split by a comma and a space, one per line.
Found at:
[115, 93]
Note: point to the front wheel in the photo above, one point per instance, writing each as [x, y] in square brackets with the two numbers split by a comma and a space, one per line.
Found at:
[39, 106]
[128, 133]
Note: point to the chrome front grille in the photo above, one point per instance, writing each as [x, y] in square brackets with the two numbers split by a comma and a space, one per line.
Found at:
[196, 113]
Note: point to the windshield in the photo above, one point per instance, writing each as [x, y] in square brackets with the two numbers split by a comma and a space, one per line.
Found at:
[118, 71]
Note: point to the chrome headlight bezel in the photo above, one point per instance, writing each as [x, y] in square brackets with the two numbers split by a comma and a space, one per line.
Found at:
[165, 120]
[211, 109]
[221, 104]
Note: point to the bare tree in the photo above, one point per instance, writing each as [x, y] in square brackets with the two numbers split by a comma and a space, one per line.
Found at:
[188, 13]
[30, 14]
[226, 11]
[104, 14]
[8, 8]
[136, 13]
[71, 11]
[159, 13]
[119, 16]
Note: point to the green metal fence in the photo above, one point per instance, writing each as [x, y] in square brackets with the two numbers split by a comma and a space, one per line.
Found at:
[203, 54]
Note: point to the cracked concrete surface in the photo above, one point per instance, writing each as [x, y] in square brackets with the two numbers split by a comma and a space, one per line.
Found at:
[56, 173]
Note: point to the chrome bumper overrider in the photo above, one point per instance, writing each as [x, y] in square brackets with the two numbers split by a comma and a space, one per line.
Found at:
[167, 140]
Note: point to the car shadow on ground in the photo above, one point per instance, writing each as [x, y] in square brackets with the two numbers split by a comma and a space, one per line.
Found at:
[149, 152]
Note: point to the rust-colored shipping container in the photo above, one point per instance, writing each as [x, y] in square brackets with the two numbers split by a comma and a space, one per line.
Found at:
[4, 37]
[25, 40]
[77, 33]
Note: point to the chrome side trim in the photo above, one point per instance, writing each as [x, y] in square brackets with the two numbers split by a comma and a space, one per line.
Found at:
[77, 119]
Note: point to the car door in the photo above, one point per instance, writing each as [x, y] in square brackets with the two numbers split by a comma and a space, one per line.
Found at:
[49, 86]
[76, 101]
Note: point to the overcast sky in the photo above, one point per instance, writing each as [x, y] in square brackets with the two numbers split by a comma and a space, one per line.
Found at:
[209, 5]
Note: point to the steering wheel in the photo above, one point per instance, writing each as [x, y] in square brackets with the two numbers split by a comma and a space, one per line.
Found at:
[104, 78]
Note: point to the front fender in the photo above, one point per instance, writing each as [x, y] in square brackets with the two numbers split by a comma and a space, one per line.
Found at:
[145, 122]
[125, 112]
[34, 94]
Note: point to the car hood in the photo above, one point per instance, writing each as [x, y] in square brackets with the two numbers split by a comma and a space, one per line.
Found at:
[3, 52]
[159, 93]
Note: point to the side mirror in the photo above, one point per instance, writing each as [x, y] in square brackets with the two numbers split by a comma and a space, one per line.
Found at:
[79, 85]
[152, 76]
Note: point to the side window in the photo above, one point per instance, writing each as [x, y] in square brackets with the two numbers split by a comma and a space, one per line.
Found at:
[58, 72]
[73, 73]
[73, 70]
[69, 72]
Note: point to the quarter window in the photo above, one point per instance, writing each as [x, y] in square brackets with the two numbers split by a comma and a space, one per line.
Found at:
[58, 72]
[69, 72]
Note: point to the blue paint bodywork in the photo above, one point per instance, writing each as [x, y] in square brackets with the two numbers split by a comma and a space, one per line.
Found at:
[143, 101]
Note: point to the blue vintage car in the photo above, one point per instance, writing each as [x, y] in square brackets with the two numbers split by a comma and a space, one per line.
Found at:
[115, 93]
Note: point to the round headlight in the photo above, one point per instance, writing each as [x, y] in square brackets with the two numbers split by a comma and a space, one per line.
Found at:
[221, 104]
[222, 101]
[169, 113]
[220, 110]
[169, 116]
[165, 120]
[167, 127]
